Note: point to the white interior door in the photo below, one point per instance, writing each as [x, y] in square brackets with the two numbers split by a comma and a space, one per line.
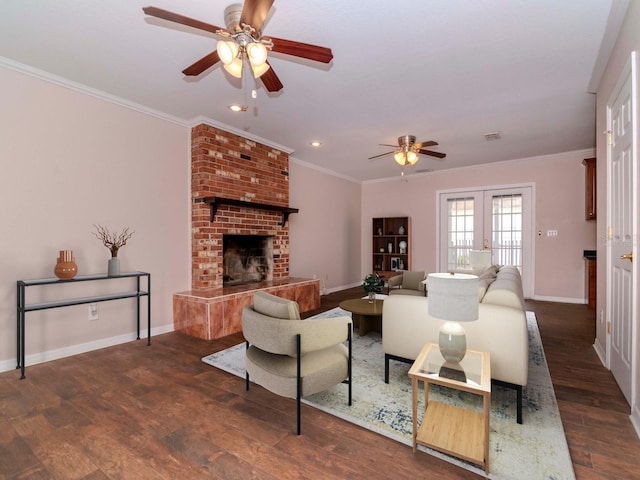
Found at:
[622, 215]
[498, 219]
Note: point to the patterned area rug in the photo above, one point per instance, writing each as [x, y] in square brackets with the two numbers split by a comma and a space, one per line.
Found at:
[537, 449]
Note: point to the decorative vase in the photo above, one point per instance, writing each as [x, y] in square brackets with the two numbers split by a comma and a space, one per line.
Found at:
[390, 247]
[114, 267]
[66, 267]
[401, 230]
[372, 296]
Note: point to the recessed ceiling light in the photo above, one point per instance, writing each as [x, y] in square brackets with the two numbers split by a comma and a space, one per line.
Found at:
[316, 144]
[237, 108]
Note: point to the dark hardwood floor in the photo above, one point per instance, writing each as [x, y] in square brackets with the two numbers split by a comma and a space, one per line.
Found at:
[138, 412]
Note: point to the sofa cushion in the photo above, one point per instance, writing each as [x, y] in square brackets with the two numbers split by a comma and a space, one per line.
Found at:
[483, 285]
[275, 307]
[488, 272]
[411, 280]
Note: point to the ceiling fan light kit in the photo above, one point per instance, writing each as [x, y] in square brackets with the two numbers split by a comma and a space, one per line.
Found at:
[407, 150]
[242, 40]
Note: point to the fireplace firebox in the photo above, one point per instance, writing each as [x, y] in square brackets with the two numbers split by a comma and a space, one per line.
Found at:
[247, 259]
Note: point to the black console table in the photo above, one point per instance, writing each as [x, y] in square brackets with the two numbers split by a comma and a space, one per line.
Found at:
[23, 307]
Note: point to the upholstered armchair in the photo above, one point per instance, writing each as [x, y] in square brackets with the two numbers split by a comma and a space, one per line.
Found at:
[292, 357]
[408, 283]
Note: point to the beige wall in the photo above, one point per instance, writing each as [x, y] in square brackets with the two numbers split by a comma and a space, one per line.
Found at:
[558, 201]
[325, 234]
[628, 41]
[70, 160]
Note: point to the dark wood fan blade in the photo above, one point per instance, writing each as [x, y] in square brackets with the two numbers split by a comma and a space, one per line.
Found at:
[430, 143]
[181, 19]
[271, 81]
[254, 12]
[388, 145]
[382, 154]
[201, 65]
[303, 50]
[432, 153]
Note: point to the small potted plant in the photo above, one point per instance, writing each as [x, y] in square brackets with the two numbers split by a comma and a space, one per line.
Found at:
[114, 242]
[372, 284]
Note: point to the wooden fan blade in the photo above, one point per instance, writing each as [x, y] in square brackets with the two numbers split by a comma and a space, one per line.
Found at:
[271, 81]
[201, 65]
[181, 19]
[254, 12]
[432, 153]
[302, 50]
[381, 155]
[388, 145]
[430, 143]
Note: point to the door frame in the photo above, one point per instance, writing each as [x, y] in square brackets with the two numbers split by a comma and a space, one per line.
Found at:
[528, 277]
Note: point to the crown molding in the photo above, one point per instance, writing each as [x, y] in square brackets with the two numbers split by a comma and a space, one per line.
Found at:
[85, 90]
[586, 153]
[200, 119]
[326, 171]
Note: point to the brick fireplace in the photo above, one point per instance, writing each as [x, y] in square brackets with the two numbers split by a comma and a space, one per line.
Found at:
[228, 166]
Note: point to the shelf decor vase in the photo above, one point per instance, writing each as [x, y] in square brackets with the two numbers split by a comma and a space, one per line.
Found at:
[66, 267]
[372, 297]
[113, 269]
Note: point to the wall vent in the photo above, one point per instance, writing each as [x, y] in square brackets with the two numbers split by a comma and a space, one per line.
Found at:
[492, 136]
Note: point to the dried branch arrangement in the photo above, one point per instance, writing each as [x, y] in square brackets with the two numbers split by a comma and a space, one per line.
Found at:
[113, 241]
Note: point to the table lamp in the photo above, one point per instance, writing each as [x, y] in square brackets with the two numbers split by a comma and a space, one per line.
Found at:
[453, 297]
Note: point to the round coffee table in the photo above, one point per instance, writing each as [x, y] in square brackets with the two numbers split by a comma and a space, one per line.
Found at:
[366, 316]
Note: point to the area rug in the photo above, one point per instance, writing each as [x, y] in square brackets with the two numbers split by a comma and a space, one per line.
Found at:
[537, 449]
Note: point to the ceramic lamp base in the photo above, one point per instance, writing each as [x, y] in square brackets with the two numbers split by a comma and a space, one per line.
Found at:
[452, 342]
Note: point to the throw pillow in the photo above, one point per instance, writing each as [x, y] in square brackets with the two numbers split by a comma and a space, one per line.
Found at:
[275, 307]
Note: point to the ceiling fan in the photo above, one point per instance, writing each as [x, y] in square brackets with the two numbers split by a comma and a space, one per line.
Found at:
[242, 42]
[407, 150]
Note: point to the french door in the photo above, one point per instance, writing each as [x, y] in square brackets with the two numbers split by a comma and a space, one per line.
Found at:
[497, 219]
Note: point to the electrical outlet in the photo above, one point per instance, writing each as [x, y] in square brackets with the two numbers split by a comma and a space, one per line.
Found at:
[93, 311]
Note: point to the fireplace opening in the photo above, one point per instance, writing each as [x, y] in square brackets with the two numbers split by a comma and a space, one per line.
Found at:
[247, 259]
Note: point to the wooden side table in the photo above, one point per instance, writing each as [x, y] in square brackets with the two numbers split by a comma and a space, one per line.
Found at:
[449, 429]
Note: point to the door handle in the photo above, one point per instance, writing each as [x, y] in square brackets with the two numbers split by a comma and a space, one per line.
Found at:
[627, 256]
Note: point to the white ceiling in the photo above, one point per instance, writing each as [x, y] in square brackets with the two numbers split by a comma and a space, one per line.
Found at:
[443, 70]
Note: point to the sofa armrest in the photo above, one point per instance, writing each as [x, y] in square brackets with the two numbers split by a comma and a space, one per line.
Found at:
[395, 281]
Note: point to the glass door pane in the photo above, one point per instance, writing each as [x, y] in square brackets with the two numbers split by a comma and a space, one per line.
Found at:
[506, 234]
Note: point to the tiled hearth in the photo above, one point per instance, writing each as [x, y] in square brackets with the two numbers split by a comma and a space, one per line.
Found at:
[216, 313]
[230, 166]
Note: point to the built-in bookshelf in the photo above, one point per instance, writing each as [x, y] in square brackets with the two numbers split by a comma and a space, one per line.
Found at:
[391, 245]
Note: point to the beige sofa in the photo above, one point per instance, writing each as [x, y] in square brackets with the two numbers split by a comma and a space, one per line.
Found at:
[501, 328]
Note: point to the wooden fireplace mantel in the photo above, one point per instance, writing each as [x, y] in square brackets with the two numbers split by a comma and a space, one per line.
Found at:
[214, 202]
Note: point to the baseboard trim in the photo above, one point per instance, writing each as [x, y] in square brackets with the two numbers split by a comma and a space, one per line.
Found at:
[41, 357]
[343, 287]
[543, 298]
[601, 354]
[635, 420]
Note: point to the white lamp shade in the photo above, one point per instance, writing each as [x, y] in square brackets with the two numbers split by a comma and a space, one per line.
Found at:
[227, 51]
[235, 68]
[453, 297]
[257, 54]
[479, 258]
[259, 70]
[412, 157]
[400, 158]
